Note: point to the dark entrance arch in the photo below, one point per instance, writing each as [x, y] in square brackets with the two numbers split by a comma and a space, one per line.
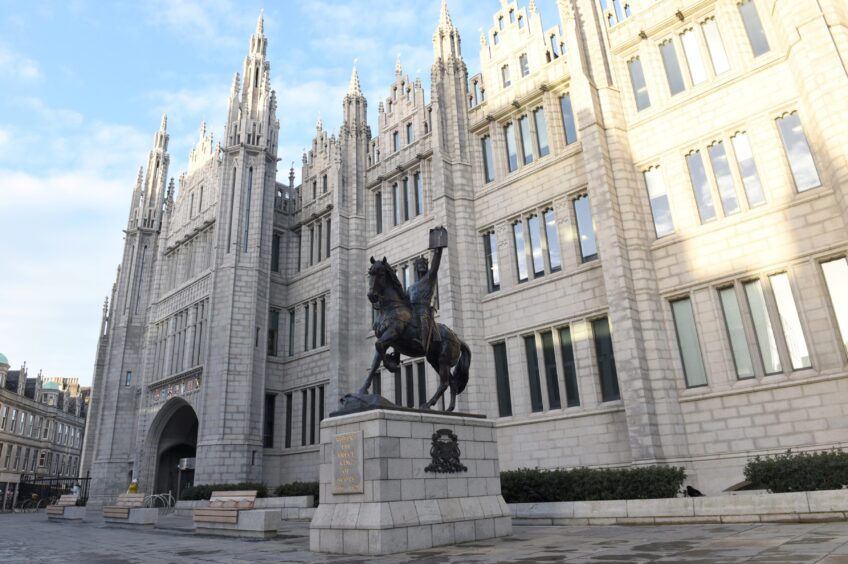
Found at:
[176, 440]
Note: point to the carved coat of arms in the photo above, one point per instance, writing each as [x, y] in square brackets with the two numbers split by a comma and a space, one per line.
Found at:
[445, 453]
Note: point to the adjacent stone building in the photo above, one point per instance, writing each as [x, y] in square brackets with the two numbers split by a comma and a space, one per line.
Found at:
[647, 208]
[42, 426]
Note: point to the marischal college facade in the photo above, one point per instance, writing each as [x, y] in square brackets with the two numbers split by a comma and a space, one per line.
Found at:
[647, 209]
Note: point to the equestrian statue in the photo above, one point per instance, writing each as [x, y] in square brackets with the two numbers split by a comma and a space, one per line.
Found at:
[404, 323]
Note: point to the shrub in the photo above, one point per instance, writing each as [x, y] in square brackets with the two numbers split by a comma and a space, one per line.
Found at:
[204, 491]
[797, 472]
[527, 485]
[298, 488]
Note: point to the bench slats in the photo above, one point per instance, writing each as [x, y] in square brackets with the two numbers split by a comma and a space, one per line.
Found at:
[116, 512]
[224, 507]
[67, 500]
[55, 509]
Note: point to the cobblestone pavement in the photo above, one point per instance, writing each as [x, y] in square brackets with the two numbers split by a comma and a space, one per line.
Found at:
[30, 538]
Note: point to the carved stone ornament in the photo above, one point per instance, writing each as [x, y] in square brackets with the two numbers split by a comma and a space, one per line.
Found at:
[445, 453]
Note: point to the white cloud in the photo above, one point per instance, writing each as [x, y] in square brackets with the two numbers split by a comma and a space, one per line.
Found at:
[25, 192]
[15, 66]
[208, 23]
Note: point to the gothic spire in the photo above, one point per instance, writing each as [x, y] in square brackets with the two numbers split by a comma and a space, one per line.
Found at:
[354, 89]
[444, 17]
[260, 23]
[319, 124]
[398, 68]
[164, 126]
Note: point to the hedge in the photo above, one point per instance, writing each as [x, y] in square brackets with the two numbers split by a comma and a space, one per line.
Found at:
[204, 491]
[298, 488]
[797, 472]
[529, 485]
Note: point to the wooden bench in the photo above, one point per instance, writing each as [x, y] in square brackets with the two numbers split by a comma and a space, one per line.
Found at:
[58, 510]
[224, 507]
[121, 509]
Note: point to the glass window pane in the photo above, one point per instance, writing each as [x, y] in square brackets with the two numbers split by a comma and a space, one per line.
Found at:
[660, 207]
[520, 253]
[606, 360]
[533, 373]
[378, 211]
[541, 132]
[568, 119]
[640, 88]
[736, 333]
[505, 75]
[585, 228]
[567, 352]
[551, 378]
[536, 246]
[763, 327]
[697, 69]
[511, 152]
[502, 380]
[715, 46]
[672, 68]
[490, 247]
[396, 203]
[524, 64]
[687, 341]
[419, 194]
[798, 151]
[748, 169]
[753, 27]
[790, 321]
[553, 241]
[724, 179]
[407, 199]
[836, 277]
[488, 164]
[701, 186]
[524, 130]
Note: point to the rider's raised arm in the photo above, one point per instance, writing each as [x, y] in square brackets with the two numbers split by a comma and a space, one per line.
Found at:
[434, 264]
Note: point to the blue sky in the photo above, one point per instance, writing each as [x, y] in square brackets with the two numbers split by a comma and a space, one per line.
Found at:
[84, 84]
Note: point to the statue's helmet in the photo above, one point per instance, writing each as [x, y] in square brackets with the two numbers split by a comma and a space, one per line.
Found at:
[421, 264]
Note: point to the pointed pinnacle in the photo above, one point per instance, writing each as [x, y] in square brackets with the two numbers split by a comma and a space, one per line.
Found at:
[398, 68]
[164, 125]
[140, 178]
[203, 129]
[444, 16]
[260, 23]
[354, 89]
[319, 124]
[532, 6]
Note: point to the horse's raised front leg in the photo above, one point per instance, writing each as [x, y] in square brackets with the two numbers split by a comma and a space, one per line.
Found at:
[375, 364]
[444, 375]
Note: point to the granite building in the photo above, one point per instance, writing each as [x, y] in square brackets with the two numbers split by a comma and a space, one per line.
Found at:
[647, 208]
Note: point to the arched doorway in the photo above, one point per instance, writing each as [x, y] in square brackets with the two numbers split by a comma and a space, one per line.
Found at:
[174, 437]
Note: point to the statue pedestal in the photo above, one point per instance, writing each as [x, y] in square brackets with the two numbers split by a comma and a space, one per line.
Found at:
[382, 491]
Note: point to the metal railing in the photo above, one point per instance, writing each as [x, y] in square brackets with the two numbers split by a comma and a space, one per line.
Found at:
[37, 492]
[165, 502]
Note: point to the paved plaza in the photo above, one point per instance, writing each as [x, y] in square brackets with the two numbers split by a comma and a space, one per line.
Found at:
[30, 538]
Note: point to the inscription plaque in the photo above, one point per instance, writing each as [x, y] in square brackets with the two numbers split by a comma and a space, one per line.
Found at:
[347, 463]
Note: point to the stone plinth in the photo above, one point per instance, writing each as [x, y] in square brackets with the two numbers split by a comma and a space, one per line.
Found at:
[397, 502]
[71, 513]
[138, 516]
[252, 523]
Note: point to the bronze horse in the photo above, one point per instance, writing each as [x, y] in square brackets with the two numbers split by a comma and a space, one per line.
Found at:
[396, 328]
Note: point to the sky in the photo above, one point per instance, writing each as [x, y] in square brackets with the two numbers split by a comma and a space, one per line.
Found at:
[83, 86]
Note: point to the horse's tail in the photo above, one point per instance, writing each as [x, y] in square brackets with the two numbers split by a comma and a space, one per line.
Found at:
[459, 377]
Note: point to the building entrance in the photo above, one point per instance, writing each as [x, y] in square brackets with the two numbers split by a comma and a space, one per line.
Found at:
[176, 447]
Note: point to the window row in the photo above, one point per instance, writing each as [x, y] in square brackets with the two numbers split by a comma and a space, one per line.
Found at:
[325, 186]
[179, 341]
[704, 55]
[553, 351]
[28, 459]
[525, 139]
[408, 385]
[762, 325]
[409, 133]
[185, 262]
[37, 427]
[407, 201]
[314, 319]
[311, 406]
[727, 173]
[318, 241]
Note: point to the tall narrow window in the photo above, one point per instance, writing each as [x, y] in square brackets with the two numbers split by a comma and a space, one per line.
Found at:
[311, 245]
[566, 349]
[323, 322]
[275, 252]
[524, 64]
[273, 330]
[320, 246]
[798, 151]
[409, 137]
[763, 327]
[505, 76]
[541, 131]
[536, 246]
[247, 200]
[585, 228]
[715, 46]
[511, 152]
[488, 164]
[687, 342]
[520, 22]
[701, 186]
[128, 378]
[495, 38]
[790, 321]
[660, 208]
[500, 22]
[303, 416]
[299, 250]
[551, 378]
[552, 236]
[568, 119]
[327, 241]
[524, 132]
[396, 209]
[520, 252]
[697, 68]
[748, 169]
[291, 332]
[637, 81]
[306, 327]
[314, 189]
[672, 67]
[753, 27]
[422, 382]
[723, 177]
[419, 194]
[325, 185]
[398, 388]
[836, 278]
[268, 421]
[407, 199]
[490, 249]
[533, 373]
[314, 325]
[289, 409]
[312, 415]
[410, 386]
[378, 211]
[606, 360]
[396, 141]
[736, 333]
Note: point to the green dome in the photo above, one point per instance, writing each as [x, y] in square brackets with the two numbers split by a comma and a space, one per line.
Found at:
[4, 360]
[50, 386]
